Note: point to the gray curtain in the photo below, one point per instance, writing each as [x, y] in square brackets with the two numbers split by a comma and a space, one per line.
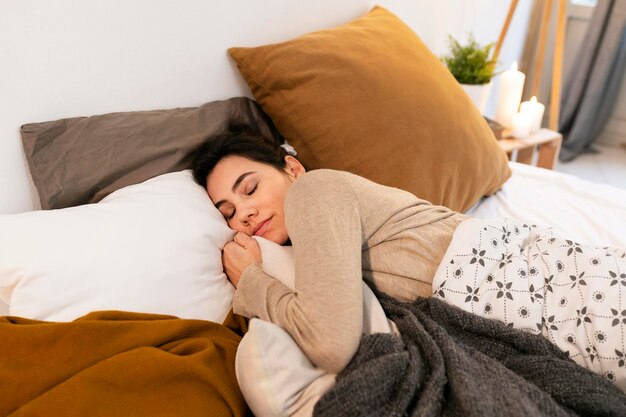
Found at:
[592, 85]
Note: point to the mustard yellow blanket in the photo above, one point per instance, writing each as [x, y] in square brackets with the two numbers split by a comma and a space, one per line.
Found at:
[117, 363]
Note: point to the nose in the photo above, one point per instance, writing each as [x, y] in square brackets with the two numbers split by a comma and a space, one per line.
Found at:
[245, 213]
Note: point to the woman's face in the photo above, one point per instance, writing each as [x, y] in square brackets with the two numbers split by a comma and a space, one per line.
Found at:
[251, 195]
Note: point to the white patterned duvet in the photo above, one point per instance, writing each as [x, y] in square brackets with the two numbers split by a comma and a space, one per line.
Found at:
[531, 279]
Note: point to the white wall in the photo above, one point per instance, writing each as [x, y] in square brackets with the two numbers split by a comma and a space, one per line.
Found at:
[63, 58]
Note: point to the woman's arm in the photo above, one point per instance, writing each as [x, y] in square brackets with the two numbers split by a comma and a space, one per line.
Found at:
[325, 313]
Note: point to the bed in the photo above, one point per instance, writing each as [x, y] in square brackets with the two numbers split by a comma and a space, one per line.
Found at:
[553, 199]
[128, 245]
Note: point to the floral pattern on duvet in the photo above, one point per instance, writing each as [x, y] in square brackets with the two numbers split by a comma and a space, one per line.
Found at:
[528, 278]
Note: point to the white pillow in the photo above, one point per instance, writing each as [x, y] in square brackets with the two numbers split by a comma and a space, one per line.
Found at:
[275, 376]
[153, 247]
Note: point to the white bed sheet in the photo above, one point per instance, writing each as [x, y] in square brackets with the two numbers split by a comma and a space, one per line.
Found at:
[577, 209]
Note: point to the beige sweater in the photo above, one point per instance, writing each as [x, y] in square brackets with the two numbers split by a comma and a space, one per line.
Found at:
[345, 229]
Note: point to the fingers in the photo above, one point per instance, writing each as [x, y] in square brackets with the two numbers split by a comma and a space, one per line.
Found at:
[234, 261]
[245, 246]
[236, 257]
[243, 239]
[231, 246]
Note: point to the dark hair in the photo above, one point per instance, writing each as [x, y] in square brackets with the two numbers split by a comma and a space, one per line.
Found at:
[241, 140]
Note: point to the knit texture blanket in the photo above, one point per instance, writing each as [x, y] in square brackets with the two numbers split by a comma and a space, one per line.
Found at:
[454, 363]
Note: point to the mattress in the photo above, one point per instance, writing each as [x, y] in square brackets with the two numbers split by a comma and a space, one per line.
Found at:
[576, 209]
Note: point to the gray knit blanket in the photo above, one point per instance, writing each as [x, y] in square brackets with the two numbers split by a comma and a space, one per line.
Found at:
[453, 363]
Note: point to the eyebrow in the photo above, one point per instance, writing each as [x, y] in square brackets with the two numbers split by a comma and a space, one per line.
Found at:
[234, 187]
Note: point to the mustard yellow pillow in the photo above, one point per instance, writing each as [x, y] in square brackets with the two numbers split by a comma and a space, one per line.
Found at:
[370, 98]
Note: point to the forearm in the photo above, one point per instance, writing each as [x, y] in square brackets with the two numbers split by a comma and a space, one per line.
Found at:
[322, 322]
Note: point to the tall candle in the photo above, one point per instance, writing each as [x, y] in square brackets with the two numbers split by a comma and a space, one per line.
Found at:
[520, 125]
[535, 110]
[511, 86]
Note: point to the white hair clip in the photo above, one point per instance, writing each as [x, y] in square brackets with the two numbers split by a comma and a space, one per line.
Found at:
[289, 149]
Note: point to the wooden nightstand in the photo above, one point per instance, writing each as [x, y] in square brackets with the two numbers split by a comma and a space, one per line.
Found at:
[545, 143]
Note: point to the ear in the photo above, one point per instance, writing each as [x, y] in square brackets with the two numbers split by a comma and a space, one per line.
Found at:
[293, 167]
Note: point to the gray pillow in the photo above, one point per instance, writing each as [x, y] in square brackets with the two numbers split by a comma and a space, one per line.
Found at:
[81, 160]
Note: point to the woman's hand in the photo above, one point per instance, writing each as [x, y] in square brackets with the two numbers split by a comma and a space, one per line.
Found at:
[238, 255]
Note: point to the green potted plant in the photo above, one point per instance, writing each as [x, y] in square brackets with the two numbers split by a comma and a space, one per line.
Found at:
[472, 67]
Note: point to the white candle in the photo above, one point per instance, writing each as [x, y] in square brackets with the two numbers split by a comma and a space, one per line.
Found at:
[510, 95]
[535, 110]
[520, 125]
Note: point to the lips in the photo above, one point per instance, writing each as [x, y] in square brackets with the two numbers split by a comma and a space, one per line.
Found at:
[262, 227]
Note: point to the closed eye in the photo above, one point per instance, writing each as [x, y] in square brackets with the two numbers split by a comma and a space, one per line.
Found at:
[227, 213]
[231, 215]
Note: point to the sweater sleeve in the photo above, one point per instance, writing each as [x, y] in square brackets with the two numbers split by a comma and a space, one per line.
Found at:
[324, 315]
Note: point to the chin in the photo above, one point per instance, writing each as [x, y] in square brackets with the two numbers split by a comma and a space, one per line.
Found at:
[277, 238]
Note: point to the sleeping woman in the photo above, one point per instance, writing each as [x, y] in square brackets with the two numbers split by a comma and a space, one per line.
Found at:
[345, 229]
